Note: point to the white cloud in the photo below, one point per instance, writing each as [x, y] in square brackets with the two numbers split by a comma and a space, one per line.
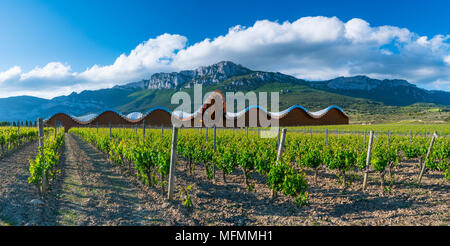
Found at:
[53, 70]
[264, 40]
[359, 31]
[441, 85]
[11, 73]
[423, 41]
[324, 48]
[314, 48]
[386, 52]
[153, 55]
[447, 59]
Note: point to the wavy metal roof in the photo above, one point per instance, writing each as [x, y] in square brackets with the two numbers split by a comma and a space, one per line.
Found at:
[286, 111]
[137, 116]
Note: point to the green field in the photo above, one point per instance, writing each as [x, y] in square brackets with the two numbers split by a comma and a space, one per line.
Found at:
[393, 128]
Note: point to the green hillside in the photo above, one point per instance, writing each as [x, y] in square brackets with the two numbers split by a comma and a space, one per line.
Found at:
[367, 107]
[291, 93]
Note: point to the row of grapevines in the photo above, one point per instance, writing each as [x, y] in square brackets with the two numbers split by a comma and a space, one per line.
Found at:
[47, 158]
[349, 152]
[234, 151]
[151, 157]
[12, 137]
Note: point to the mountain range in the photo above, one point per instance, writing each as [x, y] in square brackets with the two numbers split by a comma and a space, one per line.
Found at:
[358, 94]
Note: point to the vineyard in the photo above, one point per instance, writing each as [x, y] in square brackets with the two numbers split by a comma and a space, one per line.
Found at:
[44, 166]
[290, 172]
[12, 138]
[403, 129]
[229, 151]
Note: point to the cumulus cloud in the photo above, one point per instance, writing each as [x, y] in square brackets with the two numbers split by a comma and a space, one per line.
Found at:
[314, 48]
[151, 56]
[53, 70]
[265, 43]
[318, 48]
[11, 73]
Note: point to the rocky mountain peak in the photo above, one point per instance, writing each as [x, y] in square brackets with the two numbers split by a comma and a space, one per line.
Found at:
[221, 70]
[215, 73]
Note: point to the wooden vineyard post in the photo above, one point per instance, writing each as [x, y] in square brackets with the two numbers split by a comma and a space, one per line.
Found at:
[326, 137]
[41, 152]
[143, 130]
[366, 171]
[110, 133]
[280, 147]
[390, 163]
[214, 148]
[214, 143]
[173, 160]
[206, 134]
[55, 127]
[162, 130]
[97, 127]
[280, 154]
[247, 131]
[426, 158]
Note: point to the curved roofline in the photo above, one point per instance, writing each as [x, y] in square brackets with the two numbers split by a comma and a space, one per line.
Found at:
[105, 111]
[156, 108]
[77, 118]
[280, 114]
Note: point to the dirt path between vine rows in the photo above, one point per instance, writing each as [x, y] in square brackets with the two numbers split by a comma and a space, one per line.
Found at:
[91, 191]
[219, 203]
[16, 193]
[403, 203]
[88, 190]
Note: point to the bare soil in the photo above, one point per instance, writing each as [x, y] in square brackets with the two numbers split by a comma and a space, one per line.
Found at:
[15, 191]
[92, 191]
[403, 203]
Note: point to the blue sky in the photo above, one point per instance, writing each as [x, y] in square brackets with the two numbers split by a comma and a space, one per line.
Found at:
[49, 48]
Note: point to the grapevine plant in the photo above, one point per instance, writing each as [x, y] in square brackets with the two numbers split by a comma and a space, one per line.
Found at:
[237, 153]
[47, 159]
